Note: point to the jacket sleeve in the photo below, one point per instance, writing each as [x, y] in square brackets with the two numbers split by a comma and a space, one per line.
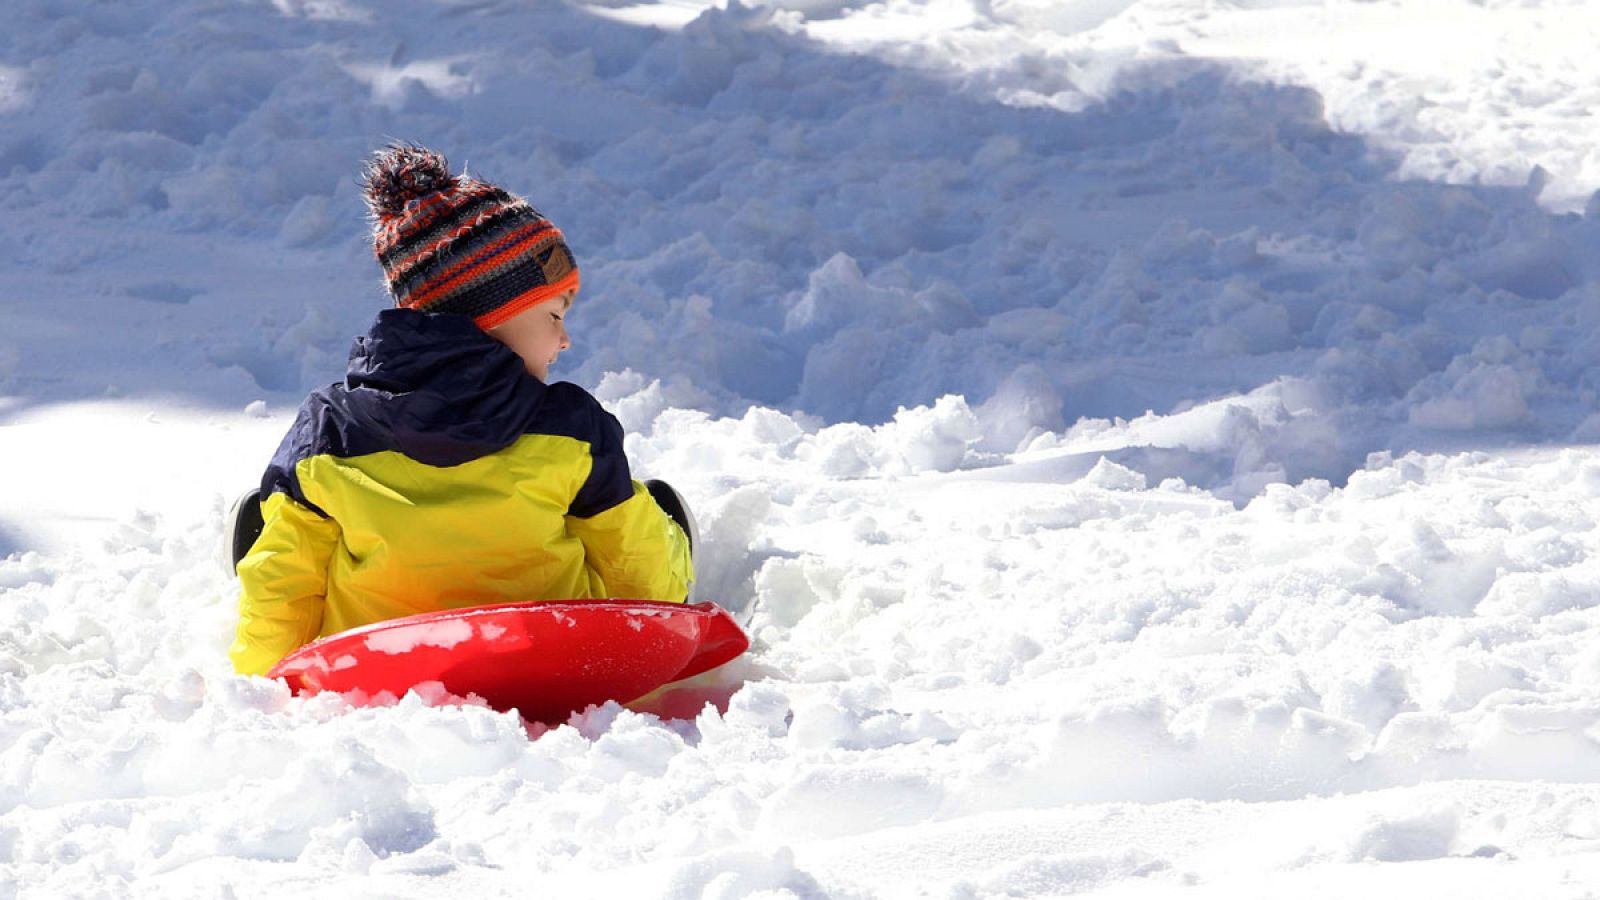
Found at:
[632, 549]
[283, 581]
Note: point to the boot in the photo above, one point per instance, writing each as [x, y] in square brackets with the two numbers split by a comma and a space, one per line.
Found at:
[241, 528]
[673, 504]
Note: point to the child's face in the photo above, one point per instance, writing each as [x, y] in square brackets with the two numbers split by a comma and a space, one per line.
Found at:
[538, 334]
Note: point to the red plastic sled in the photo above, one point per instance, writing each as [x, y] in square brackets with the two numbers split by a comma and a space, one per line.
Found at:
[545, 659]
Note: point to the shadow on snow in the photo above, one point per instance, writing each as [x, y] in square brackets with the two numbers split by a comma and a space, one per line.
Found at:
[765, 221]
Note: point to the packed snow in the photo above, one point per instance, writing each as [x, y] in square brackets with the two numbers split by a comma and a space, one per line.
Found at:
[1158, 439]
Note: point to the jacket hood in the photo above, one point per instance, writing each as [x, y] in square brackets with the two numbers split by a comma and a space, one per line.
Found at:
[442, 389]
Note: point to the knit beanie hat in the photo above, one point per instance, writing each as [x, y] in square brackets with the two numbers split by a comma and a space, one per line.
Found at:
[453, 244]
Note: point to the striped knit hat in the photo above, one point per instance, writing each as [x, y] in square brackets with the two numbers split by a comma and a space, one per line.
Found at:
[453, 244]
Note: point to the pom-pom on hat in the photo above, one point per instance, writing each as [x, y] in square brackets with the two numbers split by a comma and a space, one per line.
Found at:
[453, 244]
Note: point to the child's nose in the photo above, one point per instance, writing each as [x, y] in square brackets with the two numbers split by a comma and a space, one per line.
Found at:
[566, 341]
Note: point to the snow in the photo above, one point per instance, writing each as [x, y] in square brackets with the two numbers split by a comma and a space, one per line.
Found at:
[445, 634]
[1158, 438]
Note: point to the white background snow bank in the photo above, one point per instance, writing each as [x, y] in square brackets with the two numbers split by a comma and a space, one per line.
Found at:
[1155, 434]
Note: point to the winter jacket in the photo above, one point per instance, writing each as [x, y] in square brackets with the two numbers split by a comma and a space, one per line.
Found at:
[438, 475]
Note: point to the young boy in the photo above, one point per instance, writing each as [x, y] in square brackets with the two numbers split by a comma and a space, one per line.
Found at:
[445, 471]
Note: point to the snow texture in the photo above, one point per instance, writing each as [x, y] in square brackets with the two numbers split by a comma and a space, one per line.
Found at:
[1157, 439]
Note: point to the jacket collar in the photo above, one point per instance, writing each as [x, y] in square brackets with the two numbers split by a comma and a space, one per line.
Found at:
[442, 388]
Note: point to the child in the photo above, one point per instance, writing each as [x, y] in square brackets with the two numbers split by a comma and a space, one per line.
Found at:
[444, 471]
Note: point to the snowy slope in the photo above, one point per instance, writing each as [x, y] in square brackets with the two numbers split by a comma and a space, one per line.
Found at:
[1157, 434]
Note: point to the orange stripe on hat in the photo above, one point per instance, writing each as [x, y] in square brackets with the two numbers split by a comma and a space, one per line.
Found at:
[397, 269]
[483, 262]
[534, 297]
[447, 277]
[428, 211]
[495, 255]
